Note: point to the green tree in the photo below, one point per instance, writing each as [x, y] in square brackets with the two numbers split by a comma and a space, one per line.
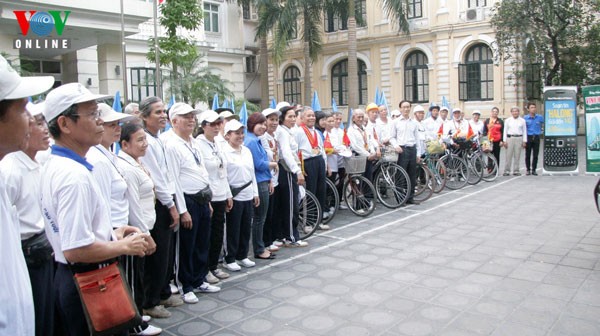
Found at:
[174, 48]
[561, 35]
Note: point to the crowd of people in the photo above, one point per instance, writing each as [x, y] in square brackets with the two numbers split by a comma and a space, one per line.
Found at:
[178, 196]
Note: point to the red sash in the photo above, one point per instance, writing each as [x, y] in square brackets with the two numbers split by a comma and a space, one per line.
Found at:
[312, 138]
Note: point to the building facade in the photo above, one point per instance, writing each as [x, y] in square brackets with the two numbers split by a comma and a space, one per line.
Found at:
[94, 57]
[448, 55]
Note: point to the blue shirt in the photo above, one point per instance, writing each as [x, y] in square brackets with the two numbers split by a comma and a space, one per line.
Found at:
[534, 124]
[259, 156]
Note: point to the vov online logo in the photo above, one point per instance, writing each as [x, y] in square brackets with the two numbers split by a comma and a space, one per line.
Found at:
[38, 27]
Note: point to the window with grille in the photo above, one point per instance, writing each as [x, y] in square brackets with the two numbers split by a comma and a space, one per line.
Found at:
[246, 11]
[142, 83]
[335, 22]
[533, 81]
[291, 85]
[415, 9]
[476, 74]
[339, 82]
[211, 17]
[416, 78]
[251, 64]
[477, 3]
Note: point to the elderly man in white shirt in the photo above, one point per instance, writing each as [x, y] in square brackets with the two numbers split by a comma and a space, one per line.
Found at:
[457, 127]
[515, 139]
[433, 123]
[476, 123]
[404, 136]
[362, 142]
[186, 163]
[23, 180]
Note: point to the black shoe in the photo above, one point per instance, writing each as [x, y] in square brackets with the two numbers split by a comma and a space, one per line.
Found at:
[534, 173]
[413, 202]
[528, 173]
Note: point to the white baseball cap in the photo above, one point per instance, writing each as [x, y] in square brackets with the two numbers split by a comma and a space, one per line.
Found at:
[281, 104]
[232, 125]
[13, 86]
[456, 109]
[181, 109]
[443, 108]
[418, 108]
[228, 114]
[64, 96]
[268, 111]
[35, 109]
[107, 114]
[476, 112]
[209, 116]
[395, 113]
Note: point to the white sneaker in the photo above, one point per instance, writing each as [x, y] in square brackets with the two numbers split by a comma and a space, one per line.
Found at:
[273, 248]
[174, 289]
[325, 215]
[278, 243]
[190, 298]
[207, 288]
[331, 210]
[324, 227]
[234, 267]
[298, 243]
[211, 279]
[247, 262]
[149, 331]
[308, 229]
[343, 207]
[220, 274]
[146, 318]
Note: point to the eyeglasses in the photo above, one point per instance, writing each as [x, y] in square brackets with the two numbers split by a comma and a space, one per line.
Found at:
[94, 115]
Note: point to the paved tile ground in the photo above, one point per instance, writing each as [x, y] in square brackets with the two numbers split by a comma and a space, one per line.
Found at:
[519, 256]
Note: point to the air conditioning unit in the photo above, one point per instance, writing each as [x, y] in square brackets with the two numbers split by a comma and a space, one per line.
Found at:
[254, 15]
[471, 14]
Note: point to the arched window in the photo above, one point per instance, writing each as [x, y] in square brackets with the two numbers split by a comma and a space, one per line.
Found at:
[416, 78]
[476, 74]
[291, 85]
[339, 82]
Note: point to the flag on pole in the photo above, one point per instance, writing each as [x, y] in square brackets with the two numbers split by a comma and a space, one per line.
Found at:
[383, 100]
[171, 102]
[315, 104]
[215, 102]
[377, 96]
[244, 116]
[273, 103]
[225, 103]
[334, 107]
[117, 102]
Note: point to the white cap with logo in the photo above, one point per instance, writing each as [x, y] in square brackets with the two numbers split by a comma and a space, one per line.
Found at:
[13, 86]
[232, 125]
[418, 108]
[107, 114]
[61, 98]
[209, 116]
[268, 111]
[181, 109]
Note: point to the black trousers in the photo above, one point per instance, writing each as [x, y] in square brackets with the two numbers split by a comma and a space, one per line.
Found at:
[217, 233]
[42, 286]
[134, 272]
[159, 265]
[533, 147]
[270, 231]
[68, 303]
[239, 226]
[192, 264]
[408, 160]
[287, 206]
[496, 151]
[315, 178]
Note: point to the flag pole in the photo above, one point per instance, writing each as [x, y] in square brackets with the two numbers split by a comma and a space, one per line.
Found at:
[157, 80]
[124, 58]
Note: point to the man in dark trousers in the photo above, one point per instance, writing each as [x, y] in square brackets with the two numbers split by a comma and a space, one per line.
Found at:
[535, 125]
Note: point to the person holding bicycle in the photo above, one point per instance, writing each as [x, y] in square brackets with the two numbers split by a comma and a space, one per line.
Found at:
[362, 142]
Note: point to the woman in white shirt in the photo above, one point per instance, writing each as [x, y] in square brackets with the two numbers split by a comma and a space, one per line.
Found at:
[141, 199]
[244, 189]
[214, 161]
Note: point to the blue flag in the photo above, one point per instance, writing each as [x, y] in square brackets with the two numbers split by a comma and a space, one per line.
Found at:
[244, 116]
[233, 104]
[377, 96]
[315, 104]
[273, 103]
[171, 102]
[215, 103]
[117, 102]
[333, 105]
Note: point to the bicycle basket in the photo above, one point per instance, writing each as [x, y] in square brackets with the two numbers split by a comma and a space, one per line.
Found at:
[390, 155]
[434, 147]
[486, 145]
[355, 164]
[463, 143]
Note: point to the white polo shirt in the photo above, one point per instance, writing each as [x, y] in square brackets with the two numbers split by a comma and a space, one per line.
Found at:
[140, 193]
[22, 177]
[74, 210]
[185, 162]
[111, 183]
[240, 170]
[271, 146]
[17, 316]
[289, 148]
[155, 161]
[216, 165]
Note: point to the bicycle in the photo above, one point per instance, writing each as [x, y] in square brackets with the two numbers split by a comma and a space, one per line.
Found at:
[309, 214]
[358, 191]
[332, 200]
[470, 152]
[391, 180]
[457, 171]
[435, 165]
[424, 185]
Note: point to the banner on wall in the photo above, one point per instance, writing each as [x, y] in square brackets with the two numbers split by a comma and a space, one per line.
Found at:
[591, 99]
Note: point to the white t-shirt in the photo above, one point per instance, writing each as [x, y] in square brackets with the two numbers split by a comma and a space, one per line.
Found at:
[271, 146]
[216, 165]
[140, 193]
[240, 170]
[111, 183]
[16, 312]
[74, 210]
[22, 177]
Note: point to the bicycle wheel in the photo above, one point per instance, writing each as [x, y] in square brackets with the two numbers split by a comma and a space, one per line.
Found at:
[332, 200]
[392, 185]
[425, 181]
[438, 169]
[476, 167]
[457, 172]
[310, 215]
[360, 195]
[490, 173]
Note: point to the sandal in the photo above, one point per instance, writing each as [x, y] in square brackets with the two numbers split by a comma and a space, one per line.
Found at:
[269, 257]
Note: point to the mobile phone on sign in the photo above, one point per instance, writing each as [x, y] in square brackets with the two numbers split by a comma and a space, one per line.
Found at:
[560, 131]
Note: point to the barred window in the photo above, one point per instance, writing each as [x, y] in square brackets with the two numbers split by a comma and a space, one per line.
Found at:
[416, 78]
[415, 9]
[339, 82]
[291, 85]
[476, 74]
[533, 81]
[142, 83]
